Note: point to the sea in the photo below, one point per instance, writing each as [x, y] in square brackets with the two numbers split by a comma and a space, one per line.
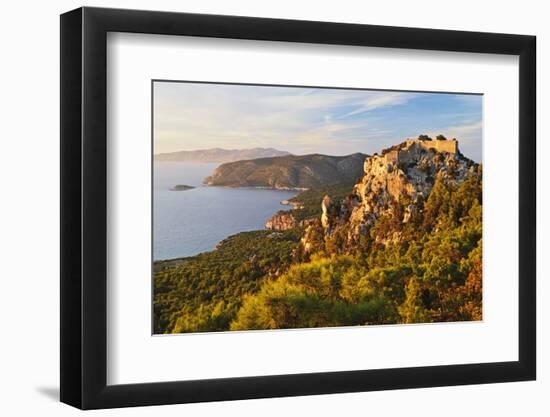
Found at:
[189, 222]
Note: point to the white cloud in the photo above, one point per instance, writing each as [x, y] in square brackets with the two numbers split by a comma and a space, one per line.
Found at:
[188, 116]
[299, 120]
[381, 100]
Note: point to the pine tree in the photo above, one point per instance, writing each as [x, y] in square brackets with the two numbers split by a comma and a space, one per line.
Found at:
[412, 310]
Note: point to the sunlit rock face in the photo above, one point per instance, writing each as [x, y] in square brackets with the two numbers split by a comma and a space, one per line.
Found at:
[393, 183]
[282, 220]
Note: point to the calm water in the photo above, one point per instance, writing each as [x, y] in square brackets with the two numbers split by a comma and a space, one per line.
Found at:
[194, 221]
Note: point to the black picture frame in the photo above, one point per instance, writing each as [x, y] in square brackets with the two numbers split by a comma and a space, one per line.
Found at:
[84, 207]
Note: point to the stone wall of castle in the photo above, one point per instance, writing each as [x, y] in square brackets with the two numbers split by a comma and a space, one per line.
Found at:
[406, 153]
[450, 146]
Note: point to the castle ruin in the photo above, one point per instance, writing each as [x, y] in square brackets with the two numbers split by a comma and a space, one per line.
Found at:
[397, 155]
[445, 145]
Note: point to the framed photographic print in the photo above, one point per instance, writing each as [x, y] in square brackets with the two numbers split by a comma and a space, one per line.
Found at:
[258, 207]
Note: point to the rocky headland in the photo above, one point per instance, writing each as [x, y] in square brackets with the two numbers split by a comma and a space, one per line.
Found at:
[289, 172]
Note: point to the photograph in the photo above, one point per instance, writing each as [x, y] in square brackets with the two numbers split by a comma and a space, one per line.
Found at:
[297, 207]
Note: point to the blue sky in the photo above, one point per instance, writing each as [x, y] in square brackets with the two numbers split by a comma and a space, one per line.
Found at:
[191, 116]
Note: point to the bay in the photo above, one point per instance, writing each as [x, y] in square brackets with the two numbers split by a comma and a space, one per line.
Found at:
[189, 222]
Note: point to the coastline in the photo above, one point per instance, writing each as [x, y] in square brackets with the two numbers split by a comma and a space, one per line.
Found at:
[285, 200]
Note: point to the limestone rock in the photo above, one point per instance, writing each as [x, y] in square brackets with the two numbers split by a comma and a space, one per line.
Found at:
[393, 184]
[402, 175]
[326, 207]
[282, 220]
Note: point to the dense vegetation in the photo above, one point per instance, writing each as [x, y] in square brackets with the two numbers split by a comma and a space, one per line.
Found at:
[431, 274]
[428, 269]
[204, 292]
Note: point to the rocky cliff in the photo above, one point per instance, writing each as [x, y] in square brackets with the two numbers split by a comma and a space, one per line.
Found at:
[289, 172]
[395, 184]
[282, 220]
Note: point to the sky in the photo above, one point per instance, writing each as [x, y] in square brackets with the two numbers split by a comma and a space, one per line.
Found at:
[300, 120]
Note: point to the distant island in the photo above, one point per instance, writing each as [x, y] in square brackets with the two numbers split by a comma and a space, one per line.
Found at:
[290, 171]
[219, 155]
[181, 187]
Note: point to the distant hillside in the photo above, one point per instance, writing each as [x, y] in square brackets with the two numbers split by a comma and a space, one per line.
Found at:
[291, 171]
[219, 155]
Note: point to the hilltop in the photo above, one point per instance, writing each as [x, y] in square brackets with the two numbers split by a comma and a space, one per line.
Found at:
[395, 185]
[289, 172]
[219, 155]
